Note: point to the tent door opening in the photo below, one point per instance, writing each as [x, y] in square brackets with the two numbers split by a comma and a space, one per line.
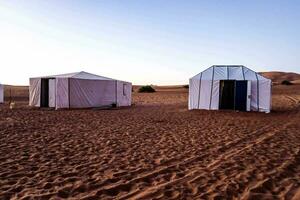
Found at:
[44, 92]
[233, 95]
[47, 93]
[226, 95]
[241, 95]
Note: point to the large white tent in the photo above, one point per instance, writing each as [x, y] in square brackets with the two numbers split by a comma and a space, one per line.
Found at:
[230, 87]
[78, 90]
[1, 93]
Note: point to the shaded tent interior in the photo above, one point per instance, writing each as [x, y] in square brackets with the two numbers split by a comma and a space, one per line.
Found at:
[233, 95]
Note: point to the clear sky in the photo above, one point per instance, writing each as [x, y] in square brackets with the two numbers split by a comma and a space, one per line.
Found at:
[146, 41]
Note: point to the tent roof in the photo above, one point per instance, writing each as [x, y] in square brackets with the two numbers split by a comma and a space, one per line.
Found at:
[229, 72]
[79, 75]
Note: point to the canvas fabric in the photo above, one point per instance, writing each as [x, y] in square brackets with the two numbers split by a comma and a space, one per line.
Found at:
[204, 87]
[81, 90]
[1, 93]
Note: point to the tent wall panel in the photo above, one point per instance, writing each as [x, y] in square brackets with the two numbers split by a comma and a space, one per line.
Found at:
[249, 74]
[34, 91]
[1, 93]
[207, 74]
[62, 93]
[221, 73]
[52, 93]
[254, 96]
[124, 92]
[91, 93]
[215, 95]
[235, 73]
[265, 88]
[194, 91]
[205, 94]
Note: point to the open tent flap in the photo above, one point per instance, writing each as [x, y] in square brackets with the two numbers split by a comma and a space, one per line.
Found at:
[34, 91]
[265, 95]
[124, 92]
[215, 95]
[52, 92]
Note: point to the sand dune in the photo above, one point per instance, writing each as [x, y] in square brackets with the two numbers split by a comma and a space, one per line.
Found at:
[277, 77]
[156, 149]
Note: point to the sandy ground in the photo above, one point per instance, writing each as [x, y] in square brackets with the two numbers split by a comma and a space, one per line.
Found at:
[156, 149]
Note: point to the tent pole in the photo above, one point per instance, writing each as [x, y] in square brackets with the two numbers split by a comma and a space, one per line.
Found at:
[243, 72]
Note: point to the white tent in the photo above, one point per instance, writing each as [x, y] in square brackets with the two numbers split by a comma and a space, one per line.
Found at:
[230, 87]
[78, 90]
[1, 93]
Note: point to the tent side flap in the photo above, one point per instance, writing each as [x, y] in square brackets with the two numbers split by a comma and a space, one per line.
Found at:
[86, 93]
[124, 93]
[215, 95]
[62, 93]
[34, 91]
[265, 95]
[254, 96]
[52, 86]
[194, 93]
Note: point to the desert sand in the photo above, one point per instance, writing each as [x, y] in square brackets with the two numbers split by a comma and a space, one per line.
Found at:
[156, 149]
[277, 77]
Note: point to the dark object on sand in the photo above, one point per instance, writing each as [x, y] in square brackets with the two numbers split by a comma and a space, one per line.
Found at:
[147, 88]
[286, 82]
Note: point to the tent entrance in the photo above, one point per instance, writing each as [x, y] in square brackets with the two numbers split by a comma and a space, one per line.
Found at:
[47, 92]
[226, 95]
[233, 95]
[44, 92]
[241, 95]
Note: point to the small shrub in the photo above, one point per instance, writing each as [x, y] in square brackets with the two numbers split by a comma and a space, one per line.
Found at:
[186, 86]
[286, 82]
[147, 88]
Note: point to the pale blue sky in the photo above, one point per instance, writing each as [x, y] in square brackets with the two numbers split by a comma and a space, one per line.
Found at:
[146, 42]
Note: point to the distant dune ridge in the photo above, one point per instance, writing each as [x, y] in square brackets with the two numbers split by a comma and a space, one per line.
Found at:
[277, 77]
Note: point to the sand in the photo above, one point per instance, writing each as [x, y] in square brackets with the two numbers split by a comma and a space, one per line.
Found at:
[278, 77]
[156, 149]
